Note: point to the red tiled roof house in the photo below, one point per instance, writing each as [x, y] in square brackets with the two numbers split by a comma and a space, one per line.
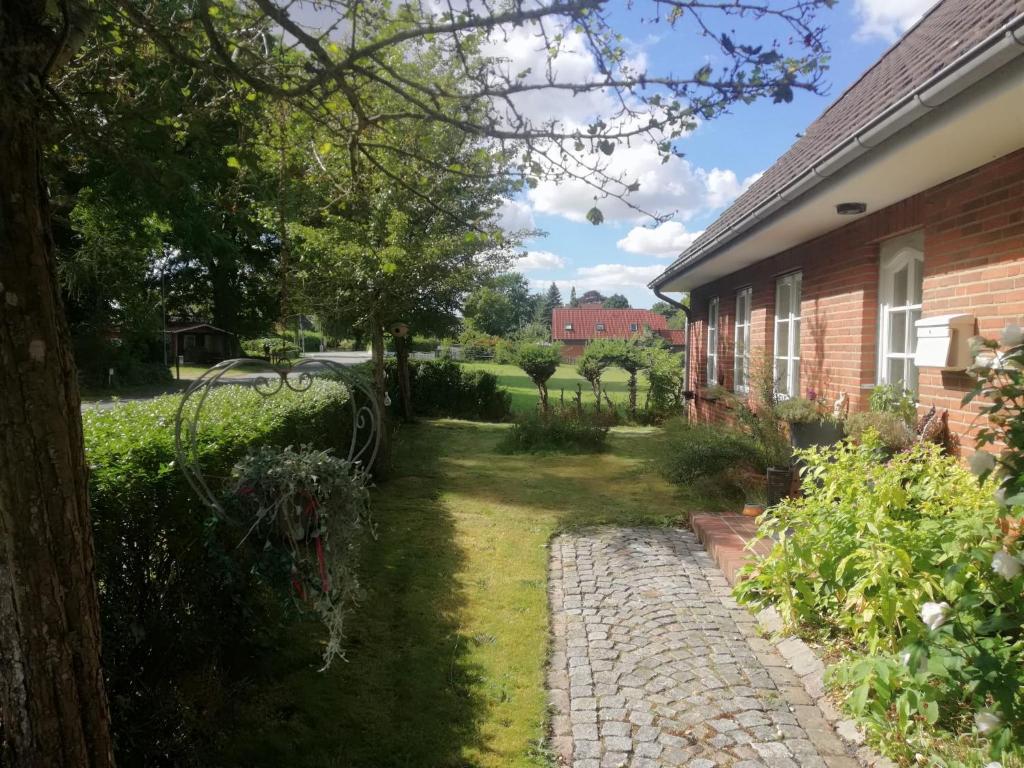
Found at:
[891, 232]
[574, 327]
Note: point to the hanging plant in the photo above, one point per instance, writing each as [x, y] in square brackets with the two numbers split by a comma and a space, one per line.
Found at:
[313, 509]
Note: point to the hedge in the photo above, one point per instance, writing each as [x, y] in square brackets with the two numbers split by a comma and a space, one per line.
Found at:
[184, 609]
[444, 388]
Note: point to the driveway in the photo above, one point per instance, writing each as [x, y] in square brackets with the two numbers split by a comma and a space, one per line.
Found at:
[655, 665]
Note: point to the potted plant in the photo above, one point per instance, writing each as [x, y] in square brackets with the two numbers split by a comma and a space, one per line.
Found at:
[755, 492]
[893, 432]
[810, 421]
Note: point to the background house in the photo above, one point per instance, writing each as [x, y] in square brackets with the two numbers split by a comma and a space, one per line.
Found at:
[200, 343]
[904, 201]
[575, 326]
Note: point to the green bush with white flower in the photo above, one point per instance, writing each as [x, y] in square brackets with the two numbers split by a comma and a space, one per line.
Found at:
[912, 569]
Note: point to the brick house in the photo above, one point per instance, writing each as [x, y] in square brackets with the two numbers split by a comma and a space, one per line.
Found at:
[575, 326]
[891, 232]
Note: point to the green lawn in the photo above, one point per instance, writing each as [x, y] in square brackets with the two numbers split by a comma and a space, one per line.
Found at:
[447, 652]
[524, 393]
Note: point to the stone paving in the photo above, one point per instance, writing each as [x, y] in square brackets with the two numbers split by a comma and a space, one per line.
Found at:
[655, 665]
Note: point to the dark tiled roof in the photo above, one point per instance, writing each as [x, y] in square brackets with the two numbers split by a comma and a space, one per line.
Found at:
[948, 30]
[616, 324]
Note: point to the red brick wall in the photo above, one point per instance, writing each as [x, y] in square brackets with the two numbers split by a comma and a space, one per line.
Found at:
[973, 262]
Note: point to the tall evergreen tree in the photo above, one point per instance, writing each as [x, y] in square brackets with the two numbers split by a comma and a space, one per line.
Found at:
[573, 301]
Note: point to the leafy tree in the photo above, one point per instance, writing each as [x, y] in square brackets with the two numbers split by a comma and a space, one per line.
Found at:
[592, 297]
[666, 377]
[596, 357]
[616, 301]
[631, 357]
[55, 711]
[501, 306]
[546, 303]
[539, 362]
[676, 317]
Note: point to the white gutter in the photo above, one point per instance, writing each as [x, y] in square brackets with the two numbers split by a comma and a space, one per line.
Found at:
[998, 49]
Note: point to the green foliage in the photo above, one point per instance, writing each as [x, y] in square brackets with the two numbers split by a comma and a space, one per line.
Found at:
[539, 362]
[800, 410]
[893, 398]
[501, 306]
[890, 429]
[872, 558]
[667, 380]
[596, 356]
[445, 388]
[278, 347]
[558, 429]
[134, 362]
[616, 301]
[310, 509]
[695, 451]
[185, 609]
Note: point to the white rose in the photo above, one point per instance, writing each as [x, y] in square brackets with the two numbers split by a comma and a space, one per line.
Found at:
[1006, 565]
[981, 462]
[1012, 336]
[994, 765]
[934, 615]
[987, 722]
[1000, 496]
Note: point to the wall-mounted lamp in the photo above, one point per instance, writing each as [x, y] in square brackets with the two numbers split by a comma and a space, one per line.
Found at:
[851, 209]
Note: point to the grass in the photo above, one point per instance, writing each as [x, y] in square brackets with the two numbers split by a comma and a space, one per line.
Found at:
[447, 652]
[524, 393]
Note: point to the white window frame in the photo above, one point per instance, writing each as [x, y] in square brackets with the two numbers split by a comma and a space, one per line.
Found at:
[634, 327]
[599, 327]
[790, 318]
[896, 254]
[712, 337]
[741, 341]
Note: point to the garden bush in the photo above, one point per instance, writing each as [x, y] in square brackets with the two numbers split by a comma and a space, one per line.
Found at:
[135, 363]
[557, 429]
[444, 388]
[280, 348]
[184, 610]
[696, 451]
[890, 429]
[902, 566]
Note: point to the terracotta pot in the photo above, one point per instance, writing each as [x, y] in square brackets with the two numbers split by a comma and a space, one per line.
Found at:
[753, 510]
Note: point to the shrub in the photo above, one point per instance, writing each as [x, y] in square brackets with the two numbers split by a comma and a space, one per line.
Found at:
[701, 450]
[183, 610]
[872, 559]
[666, 377]
[446, 389]
[893, 433]
[505, 352]
[801, 410]
[539, 362]
[892, 398]
[559, 429]
[133, 363]
[279, 348]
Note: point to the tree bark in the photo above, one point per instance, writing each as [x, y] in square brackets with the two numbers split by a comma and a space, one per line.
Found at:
[404, 383]
[53, 707]
[380, 388]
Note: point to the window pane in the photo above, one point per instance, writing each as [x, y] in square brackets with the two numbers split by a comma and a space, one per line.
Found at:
[794, 384]
[795, 352]
[915, 315]
[781, 339]
[781, 378]
[917, 282]
[895, 370]
[899, 287]
[897, 332]
[782, 299]
[798, 282]
[911, 382]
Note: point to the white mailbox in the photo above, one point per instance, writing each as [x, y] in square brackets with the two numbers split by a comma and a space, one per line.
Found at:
[944, 342]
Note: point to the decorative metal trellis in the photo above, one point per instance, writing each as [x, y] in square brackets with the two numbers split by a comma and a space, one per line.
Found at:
[270, 380]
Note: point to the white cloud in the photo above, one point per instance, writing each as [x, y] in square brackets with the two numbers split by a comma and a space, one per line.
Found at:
[667, 240]
[673, 187]
[608, 278]
[888, 19]
[537, 260]
[515, 216]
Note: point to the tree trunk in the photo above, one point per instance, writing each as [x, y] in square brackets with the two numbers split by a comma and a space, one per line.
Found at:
[404, 382]
[380, 389]
[53, 708]
[632, 393]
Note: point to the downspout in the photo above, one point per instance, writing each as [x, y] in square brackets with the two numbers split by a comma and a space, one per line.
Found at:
[1000, 48]
[687, 392]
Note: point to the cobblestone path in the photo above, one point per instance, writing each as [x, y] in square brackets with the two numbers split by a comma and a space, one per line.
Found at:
[655, 665]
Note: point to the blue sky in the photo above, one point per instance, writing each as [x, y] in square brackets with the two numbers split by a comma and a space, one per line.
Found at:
[722, 157]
